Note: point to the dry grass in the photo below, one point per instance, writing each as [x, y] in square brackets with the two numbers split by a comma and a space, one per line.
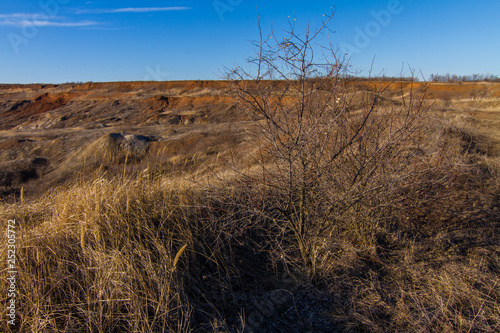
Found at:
[100, 256]
[152, 252]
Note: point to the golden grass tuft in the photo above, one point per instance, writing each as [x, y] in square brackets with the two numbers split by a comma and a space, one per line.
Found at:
[102, 257]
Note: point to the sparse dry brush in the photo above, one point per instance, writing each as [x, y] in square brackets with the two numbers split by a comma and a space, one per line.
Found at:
[335, 162]
[348, 178]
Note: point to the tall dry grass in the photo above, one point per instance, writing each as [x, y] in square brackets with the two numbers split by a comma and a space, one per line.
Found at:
[104, 256]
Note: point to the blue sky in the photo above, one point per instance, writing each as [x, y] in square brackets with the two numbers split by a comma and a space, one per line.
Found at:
[56, 41]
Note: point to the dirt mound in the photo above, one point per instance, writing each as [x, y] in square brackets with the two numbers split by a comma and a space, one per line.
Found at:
[157, 103]
[47, 102]
[111, 148]
[25, 110]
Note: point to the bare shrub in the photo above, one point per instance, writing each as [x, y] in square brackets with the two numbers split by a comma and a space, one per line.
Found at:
[332, 160]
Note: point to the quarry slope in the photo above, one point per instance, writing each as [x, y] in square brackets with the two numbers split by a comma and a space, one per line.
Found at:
[50, 131]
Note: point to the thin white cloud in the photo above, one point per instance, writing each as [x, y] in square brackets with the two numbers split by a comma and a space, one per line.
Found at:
[26, 16]
[132, 10]
[40, 20]
[105, 28]
[63, 24]
[148, 9]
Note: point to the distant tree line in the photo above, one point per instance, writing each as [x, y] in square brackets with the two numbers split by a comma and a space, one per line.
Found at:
[432, 78]
[464, 78]
[379, 78]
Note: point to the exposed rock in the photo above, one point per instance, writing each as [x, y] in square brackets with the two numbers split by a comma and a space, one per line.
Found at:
[111, 148]
[132, 145]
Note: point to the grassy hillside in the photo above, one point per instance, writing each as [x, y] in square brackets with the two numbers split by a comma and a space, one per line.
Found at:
[165, 218]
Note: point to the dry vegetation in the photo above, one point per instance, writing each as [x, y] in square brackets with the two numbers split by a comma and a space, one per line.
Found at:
[339, 207]
[157, 251]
